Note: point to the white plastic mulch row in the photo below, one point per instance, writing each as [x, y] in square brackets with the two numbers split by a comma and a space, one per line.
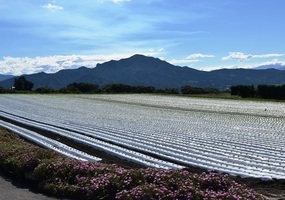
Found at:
[97, 144]
[236, 137]
[49, 143]
[190, 156]
[223, 161]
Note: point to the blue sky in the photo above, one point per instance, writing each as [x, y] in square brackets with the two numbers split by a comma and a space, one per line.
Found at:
[50, 35]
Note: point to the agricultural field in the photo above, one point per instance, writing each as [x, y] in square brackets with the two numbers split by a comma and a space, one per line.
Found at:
[244, 138]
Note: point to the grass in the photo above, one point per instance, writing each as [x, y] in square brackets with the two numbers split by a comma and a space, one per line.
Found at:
[63, 177]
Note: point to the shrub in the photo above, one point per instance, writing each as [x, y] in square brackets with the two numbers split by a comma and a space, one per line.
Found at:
[61, 176]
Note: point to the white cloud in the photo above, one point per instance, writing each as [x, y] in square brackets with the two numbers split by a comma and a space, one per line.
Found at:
[114, 1]
[52, 7]
[182, 61]
[218, 67]
[192, 58]
[273, 62]
[156, 50]
[198, 56]
[118, 1]
[241, 57]
[268, 55]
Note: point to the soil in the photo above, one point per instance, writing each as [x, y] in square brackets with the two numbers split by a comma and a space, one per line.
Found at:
[273, 189]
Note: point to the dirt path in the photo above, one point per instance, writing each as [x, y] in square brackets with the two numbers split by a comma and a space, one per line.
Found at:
[11, 190]
[273, 190]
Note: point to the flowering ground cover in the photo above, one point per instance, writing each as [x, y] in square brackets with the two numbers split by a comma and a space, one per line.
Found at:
[61, 176]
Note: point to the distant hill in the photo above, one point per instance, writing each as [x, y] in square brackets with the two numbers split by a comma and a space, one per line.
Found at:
[273, 66]
[5, 77]
[149, 71]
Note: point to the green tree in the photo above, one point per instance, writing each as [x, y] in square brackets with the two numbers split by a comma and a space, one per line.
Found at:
[117, 88]
[271, 91]
[82, 88]
[187, 89]
[21, 84]
[44, 90]
[2, 90]
[243, 91]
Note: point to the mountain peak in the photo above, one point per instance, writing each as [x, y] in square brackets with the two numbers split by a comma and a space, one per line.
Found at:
[140, 57]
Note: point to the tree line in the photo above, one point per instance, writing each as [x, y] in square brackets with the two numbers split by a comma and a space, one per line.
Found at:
[261, 91]
[245, 91]
[23, 85]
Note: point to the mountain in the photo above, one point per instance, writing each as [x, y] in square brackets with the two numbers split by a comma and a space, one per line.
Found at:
[149, 71]
[4, 77]
[229, 77]
[273, 66]
[142, 70]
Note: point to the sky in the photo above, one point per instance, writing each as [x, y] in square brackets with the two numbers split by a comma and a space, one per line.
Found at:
[51, 35]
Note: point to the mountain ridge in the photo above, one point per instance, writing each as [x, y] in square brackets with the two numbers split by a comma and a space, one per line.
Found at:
[5, 77]
[272, 66]
[149, 71]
